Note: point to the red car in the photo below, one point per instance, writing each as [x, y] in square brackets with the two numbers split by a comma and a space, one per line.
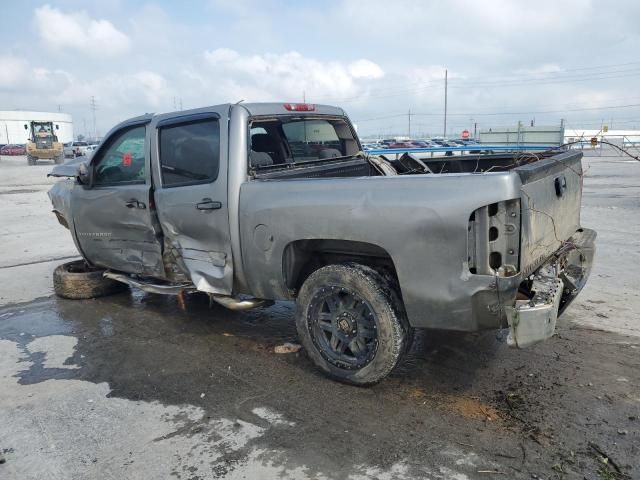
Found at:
[13, 149]
[401, 145]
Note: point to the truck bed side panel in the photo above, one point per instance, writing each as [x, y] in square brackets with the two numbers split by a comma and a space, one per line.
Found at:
[413, 218]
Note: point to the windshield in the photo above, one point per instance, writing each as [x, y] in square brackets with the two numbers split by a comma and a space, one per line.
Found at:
[285, 140]
[42, 128]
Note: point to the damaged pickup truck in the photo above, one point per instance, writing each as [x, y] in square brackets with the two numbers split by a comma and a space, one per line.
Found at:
[252, 203]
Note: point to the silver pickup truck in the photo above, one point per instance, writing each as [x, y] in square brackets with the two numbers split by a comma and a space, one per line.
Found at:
[257, 202]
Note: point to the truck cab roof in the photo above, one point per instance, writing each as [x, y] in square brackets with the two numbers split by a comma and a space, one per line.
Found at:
[255, 109]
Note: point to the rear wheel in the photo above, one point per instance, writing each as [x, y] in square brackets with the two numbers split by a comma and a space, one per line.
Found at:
[351, 323]
[58, 159]
[77, 280]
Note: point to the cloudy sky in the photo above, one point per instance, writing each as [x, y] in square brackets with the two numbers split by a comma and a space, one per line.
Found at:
[507, 60]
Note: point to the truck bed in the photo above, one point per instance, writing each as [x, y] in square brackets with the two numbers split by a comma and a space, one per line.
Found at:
[406, 164]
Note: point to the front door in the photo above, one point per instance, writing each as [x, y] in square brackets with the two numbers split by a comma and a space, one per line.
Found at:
[112, 216]
[190, 190]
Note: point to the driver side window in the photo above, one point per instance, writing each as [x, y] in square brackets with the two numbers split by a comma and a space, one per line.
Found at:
[122, 161]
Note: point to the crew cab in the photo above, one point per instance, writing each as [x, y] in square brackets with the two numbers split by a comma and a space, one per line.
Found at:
[257, 202]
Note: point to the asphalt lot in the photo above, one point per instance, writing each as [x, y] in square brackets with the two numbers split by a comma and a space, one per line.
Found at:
[133, 386]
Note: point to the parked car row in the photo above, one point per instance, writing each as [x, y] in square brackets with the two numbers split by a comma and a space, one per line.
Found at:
[71, 149]
[13, 149]
[75, 149]
[433, 142]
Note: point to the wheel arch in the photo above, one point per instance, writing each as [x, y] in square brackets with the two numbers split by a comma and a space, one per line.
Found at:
[303, 257]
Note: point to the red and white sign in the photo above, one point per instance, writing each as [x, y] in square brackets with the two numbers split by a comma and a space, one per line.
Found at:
[465, 134]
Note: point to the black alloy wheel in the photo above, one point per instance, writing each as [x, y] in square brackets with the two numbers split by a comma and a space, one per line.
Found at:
[343, 327]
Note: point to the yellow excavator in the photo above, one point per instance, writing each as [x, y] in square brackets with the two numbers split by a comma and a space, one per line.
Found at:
[43, 144]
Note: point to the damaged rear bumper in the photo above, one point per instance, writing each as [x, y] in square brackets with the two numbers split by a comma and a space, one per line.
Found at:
[553, 287]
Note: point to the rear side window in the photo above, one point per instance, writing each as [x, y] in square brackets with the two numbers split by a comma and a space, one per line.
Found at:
[190, 153]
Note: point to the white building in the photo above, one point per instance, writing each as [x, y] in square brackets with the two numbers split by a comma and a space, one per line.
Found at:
[12, 125]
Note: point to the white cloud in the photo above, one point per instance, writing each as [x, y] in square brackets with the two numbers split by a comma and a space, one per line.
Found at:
[286, 76]
[143, 90]
[13, 72]
[78, 31]
[29, 86]
[364, 68]
[18, 75]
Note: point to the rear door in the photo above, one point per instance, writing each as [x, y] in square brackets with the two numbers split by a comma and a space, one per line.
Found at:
[190, 178]
[114, 225]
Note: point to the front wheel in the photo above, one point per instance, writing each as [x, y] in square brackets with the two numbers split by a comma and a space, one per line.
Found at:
[31, 160]
[351, 323]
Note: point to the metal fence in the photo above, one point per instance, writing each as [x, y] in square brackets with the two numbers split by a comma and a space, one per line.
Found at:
[624, 142]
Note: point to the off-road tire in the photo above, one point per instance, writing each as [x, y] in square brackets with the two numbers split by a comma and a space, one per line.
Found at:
[31, 160]
[58, 159]
[392, 328]
[75, 280]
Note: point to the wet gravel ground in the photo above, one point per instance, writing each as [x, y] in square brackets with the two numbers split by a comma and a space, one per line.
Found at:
[135, 386]
[461, 404]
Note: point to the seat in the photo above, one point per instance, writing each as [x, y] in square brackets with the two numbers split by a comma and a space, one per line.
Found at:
[329, 153]
[260, 159]
[265, 143]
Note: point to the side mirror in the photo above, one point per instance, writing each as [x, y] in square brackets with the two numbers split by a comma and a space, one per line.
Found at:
[84, 177]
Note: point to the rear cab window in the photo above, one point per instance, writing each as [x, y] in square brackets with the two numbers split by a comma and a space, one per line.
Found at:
[286, 140]
[189, 152]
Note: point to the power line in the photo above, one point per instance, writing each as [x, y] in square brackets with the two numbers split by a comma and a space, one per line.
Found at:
[539, 112]
[512, 80]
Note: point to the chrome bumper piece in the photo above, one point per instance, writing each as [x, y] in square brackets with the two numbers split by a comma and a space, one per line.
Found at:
[555, 285]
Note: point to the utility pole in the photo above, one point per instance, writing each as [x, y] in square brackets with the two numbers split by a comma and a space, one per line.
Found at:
[304, 97]
[409, 135]
[180, 103]
[446, 74]
[94, 106]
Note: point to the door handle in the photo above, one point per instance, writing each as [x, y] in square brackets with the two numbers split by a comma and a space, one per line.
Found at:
[208, 204]
[133, 203]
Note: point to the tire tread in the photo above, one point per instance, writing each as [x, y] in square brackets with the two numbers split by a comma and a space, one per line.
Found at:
[83, 285]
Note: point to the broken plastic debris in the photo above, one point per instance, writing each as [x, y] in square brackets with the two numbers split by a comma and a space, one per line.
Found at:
[287, 348]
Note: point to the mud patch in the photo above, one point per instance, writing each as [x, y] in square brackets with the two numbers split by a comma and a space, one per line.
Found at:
[464, 406]
[469, 407]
